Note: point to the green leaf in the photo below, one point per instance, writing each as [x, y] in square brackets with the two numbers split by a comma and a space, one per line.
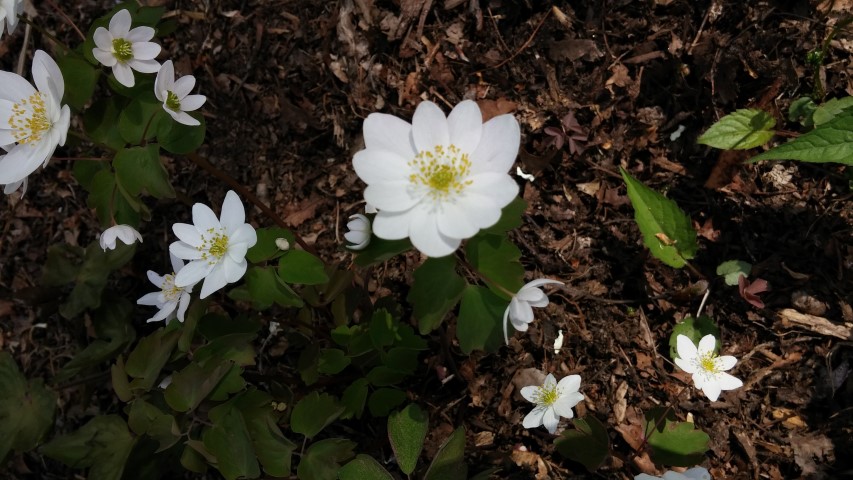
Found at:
[587, 444]
[382, 328]
[62, 265]
[139, 169]
[436, 289]
[741, 130]
[178, 138]
[407, 430]
[102, 444]
[323, 459]
[100, 121]
[91, 277]
[667, 231]
[732, 270]
[26, 409]
[382, 376]
[510, 217]
[364, 467]
[314, 412]
[263, 288]
[385, 399]
[271, 447]
[695, 329]
[229, 441]
[802, 110]
[449, 462]
[332, 361]
[150, 355]
[140, 117]
[265, 248]
[194, 383]
[299, 266]
[831, 109]
[479, 324]
[674, 443]
[354, 399]
[119, 380]
[497, 259]
[380, 250]
[146, 419]
[114, 333]
[82, 75]
[830, 142]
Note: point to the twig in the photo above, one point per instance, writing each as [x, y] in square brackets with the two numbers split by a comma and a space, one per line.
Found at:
[67, 19]
[525, 44]
[20, 69]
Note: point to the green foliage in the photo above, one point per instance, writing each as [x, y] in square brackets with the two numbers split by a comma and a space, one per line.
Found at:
[102, 444]
[26, 409]
[830, 142]
[114, 333]
[332, 361]
[732, 270]
[314, 412]
[744, 129]
[194, 383]
[148, 358]
[82, 75]
[667, 231]
[831, 109]
[323, 459]
[178, 138]
[100, 121]
[266, 248]
[449, 462]
[675, 443]
[436, 289]
[139, 169]
[407, 430]
[139, 120]
[263, 288]
[364, 467]
[146, 419]
[354, 399]
[380, 250]
[695, 329]
[479, 324]
[299, 266]
[385, 399]
[510, 217]
[802, 110]
[497, 259]
[587, 444]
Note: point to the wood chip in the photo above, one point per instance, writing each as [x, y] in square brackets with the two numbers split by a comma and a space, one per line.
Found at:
[791, 318]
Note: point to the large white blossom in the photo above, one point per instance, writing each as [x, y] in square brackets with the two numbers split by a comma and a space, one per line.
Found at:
[695, 473]
[32, 122]
[175, 95]
[440, 179]
[125, 49]
[708, 369]
[553, 400]
[172, 301]
[520, 309]
[215, 247]
[358, 234]
[127, 234]
[9, 12]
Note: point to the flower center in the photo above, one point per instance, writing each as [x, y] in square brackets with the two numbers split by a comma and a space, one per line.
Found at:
[29, 119]
[122, 49]
[170, 291]
[444, 170]
[213, 245]
[708, 363]
[172, 101]
[546, 394]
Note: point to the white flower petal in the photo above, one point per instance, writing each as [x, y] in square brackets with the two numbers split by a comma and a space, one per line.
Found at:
[144, 66]
[245, 236]
[571, 383]
[21, 161]
[204, 218]
[688, 367]
[192, 272]
[233, 214]
[465, 124]
[123, 74]
[498, 145]
[712, 390]
[383, 132]
[454, 222]
[392, 197]
[392, 225]
[429, 127]
[151, 299]
[706, 345]
[728, 382]
[534, 418]
[164, 81]
[183, 87]
[685, 348]
[47, 75]
[183, 304]
[425, 237]
[15, 87]
[188, 234]
[191, 103]
[380, 166]
[214, 281]
[120, 23]
[106, 57]
[103, 40]
[500, 187]
[725, 362]
[140, 35]
[520, 312]
[529, 393]
[551, 420]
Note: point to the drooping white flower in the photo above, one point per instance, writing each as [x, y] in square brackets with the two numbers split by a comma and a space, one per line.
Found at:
[553, 400]
[127, 234]
[9, 12]
[695, 473]
[359, 232]
[170, 298]
[175, 95]
[125, 49]
[440, 179]
[708, 369]
[32, 122]
[520, 309]
[216, 247]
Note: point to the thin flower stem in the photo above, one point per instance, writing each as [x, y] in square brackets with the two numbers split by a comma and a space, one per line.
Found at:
[142, 141]
[67, 19]
[23, 18]
[484, 277]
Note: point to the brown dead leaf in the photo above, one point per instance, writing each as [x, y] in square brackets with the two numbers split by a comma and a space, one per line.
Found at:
[306, 209]
[707, 230]
[620, 76]
[811, 452]
[493, 108]
[724, 170]
[573, 49]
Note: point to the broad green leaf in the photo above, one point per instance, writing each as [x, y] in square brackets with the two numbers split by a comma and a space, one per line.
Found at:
[587, 444]
[436, 289]
[510, 217]
[830, 142]
[214, 325]
[299, 266]
[62, 265]
[192, 460]
[82, 75]
[382, 329]
[449, 462]
[479, 324]
[150, 355]
[114, 333]
[382, 376]
[146, 419]
[100, 121]
[695, 329]
[314, 412]
[354, 399]
[139, 169]
[141, 117]
[271, 447]
[732, 270]
[263, 288]
[332, 361]
[380, 250]
[102, 444]
[385, 399]
[178, 138]
[232, 346]
[26, 409]
[229, 441]
[266, 248]
[741, 130]
[407, 430]
[231, 383]
[91, 278]
[667, 231]
[194, 314]
[402, 359]
[674, 443]
[364, 467]
[102, 196]
[497, 259]
[802, 110]
[119, 380]
[194, 383]
[323, 459]
[831, 109]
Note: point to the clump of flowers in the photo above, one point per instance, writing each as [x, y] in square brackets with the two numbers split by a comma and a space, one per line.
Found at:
[172, 301]
[520, 309]
[708, 369]
[175, 95]
[127, 234]
[125, 49]
[553, 400]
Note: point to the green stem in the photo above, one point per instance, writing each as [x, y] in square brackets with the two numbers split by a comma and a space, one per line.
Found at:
[143, 141]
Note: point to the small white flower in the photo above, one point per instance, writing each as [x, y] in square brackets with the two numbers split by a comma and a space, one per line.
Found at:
[558, 342]
[32, 122]
[359, 232]
[175, 95]
[520, 309]
[708, 369]
[9, 12]
[216, 247]
[125, 49]
[440, 179]
[553, 400]
[170, 297]
[127, 234]
[695, 473]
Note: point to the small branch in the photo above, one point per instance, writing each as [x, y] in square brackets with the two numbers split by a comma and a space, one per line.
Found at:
[67, 19]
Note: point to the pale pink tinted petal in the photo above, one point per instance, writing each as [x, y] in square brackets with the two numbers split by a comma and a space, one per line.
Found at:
[707, 345]
[120, 23]
[103, 39]
[375, 166]
[123, 74]
[572, 383]
[712, 390]
[725, 362]
[144, 66]
[686, 349]
[465, 124]
[529, 393]
[389, 133]
[429, 127]
[233, 214]
[213, 281]
[191, 103]
[498, 145]
[551, 420]
[140, 34]
[183, 86]
[425, 236]
[192, 272]
[391, 225]
[728, 382]
[391, 196]
[534, 418]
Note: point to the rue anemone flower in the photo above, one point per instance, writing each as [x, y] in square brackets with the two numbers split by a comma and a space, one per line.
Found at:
[172, 301]
[175, 95]
[215, 247]
[127, 234]
[440, 179]
[9, 12]
[32, 122]
[359, 232]
[553, 400]
[125, 49]
[695, 473]
[520, 309]
[708, 369]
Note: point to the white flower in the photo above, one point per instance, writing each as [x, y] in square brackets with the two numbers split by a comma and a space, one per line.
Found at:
[708, 369]
[32, 122]
[359, 232]
[11, 188]
[215, 247]
[440, 179]
[126, 50]
[175, 94]
[170, 297]
[695, 473]
[9, 11]
[553, 400]
[125, 233]
[520, 309]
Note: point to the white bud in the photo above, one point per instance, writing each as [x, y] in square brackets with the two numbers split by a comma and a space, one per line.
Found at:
[282, 244]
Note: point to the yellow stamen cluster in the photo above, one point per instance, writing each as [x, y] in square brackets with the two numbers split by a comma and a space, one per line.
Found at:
[29, 119]
[122, 49]
[170, 291]
[213, 245]
[546, 394]
[172, 101]
[442, 170]
[708, 363]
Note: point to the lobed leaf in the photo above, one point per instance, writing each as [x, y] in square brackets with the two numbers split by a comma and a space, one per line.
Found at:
[497, 259]
[831, 109]
[314, 412]
[323, 459]
[26, 409]
[436, 289]
[675, 443]
[104, 444]
[299, 266]
[695, 329]
[732, 270]
[587, 444]
[479, 324]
